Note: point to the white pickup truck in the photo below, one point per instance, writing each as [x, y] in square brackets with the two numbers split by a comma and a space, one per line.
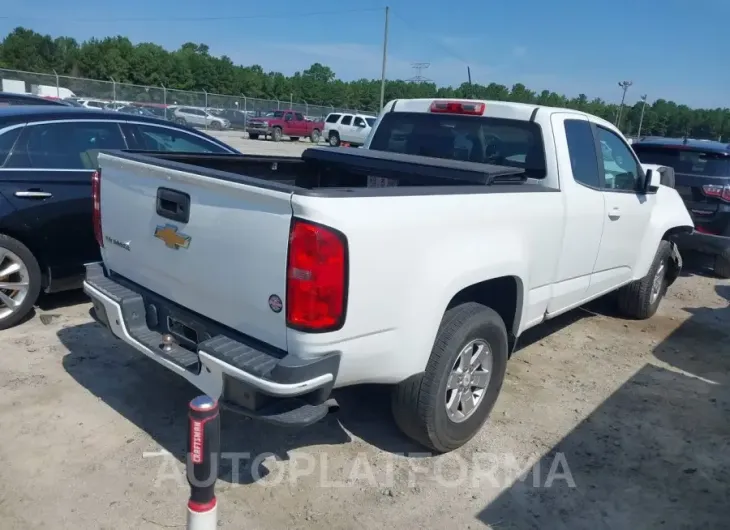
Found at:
[416, 261]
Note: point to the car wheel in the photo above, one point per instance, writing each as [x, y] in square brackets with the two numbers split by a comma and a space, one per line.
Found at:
[640, 299]
[216, 126]
[276, 134]
[180, 121]
[315, 137]
[334, 139]
[20, 281]
[444, 407]
[253, 136]
[722, 264]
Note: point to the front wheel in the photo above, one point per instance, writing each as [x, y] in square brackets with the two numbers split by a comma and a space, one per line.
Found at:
[640, 299]
[180, 121]
[215, 125]
[444, 407]
[276, 134]
[20, 281]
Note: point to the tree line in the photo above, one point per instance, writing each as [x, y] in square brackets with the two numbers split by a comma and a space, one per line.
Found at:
[193, 68]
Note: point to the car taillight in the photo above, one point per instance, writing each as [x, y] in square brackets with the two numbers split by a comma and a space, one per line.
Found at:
[458, 107]
[717, 191]
[96, 205]
[316, 277]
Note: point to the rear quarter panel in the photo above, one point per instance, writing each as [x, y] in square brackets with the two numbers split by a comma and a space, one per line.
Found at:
[408, 257]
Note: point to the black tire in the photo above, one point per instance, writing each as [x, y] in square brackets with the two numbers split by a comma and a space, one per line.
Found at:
[216, 126]
[315, 136]
[722, 265]
[667, 176]
[253, 136]
[334, 139]
[293, 138]
[419, 403]
[276, 134]
[34, 280]
[634, 299]
[180, 121]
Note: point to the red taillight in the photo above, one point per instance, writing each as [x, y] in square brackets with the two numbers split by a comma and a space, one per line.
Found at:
[717, 191]
[458, 107]
[96, 205]
[316, 277]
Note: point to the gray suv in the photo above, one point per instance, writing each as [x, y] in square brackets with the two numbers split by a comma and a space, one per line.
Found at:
[197, 117]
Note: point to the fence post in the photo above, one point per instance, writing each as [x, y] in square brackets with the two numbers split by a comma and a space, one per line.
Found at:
[114, 89]
[164, 97]
[278, 104]
[306, 107]
[206, 108]
[58, 86]
[245, 107]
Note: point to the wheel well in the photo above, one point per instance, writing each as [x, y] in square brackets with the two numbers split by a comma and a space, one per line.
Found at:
[674, 266]
[501, 294]
[334, 132]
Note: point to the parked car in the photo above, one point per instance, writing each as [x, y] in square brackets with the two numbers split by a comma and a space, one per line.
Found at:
[351, 128]
[702, 177]
[236, 118]
[92, 103]
[47, 159]
[115, 105]
[9, 98]
[271, 294]
[137, 111]
[279, 123]
[199, 118]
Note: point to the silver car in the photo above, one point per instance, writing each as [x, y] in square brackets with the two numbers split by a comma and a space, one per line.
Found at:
[196, 117]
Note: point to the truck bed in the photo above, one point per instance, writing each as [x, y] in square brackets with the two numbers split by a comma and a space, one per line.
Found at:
[344, 172]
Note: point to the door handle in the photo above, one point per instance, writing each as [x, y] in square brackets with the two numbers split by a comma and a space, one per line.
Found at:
[33, 194]
[614, 213]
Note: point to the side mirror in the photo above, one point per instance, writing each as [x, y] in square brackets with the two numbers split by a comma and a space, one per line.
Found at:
[653, 180]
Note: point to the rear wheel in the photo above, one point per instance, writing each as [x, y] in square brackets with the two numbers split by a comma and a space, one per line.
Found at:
[253, 136]
[20, 281]
[640, 299]
[447, 405]
[180, 121]
[334, 139]
[276, 134]
[216, 126]
[722, 264]
[315, 137]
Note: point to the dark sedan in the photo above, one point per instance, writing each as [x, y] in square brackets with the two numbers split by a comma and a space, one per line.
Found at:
[47, 159]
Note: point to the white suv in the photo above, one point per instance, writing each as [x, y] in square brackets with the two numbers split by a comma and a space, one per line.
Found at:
[352, 128]
[195, 117]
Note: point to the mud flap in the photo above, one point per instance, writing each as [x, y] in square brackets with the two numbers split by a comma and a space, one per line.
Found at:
[676, 262]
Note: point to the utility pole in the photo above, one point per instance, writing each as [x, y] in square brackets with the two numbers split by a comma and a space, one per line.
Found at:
[641, 120]
[385, 58]
[625, 86]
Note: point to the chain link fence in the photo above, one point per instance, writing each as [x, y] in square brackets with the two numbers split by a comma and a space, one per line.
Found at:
[111, 91]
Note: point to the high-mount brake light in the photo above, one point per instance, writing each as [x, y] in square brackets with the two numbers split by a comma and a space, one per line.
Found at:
[316, 278]
[458, 107]
[96, 205]
[717, 191]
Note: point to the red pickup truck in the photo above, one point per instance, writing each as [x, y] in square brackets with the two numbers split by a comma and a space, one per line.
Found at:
[279, 123]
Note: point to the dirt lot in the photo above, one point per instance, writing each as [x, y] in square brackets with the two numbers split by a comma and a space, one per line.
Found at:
[626, 421]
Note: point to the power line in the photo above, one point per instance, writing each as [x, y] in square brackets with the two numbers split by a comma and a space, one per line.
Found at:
[437, 42]
[195, 19]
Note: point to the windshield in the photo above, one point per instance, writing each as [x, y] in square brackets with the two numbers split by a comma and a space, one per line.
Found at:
[512, 143]
[371, 121]
[687, 161]
[274, 114]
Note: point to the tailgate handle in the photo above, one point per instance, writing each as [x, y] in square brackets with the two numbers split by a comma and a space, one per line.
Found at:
[173, 205]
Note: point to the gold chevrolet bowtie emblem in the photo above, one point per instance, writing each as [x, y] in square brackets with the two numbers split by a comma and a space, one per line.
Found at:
[169, 235]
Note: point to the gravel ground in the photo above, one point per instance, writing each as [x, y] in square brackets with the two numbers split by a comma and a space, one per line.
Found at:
[602, 423]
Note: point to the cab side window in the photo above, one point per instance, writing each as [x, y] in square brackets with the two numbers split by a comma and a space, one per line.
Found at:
[621, 170]
[582, 150]
[346, 120]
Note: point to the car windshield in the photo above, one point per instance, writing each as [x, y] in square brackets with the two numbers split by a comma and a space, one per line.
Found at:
[512, 143]
[687, 161]
[371, 121]
[274, 114]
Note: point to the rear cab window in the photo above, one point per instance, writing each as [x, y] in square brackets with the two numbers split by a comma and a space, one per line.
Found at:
[486, 140]
[691, 161]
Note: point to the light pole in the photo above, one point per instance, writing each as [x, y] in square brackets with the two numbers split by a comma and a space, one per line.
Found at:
[641, 120]
[625, 86]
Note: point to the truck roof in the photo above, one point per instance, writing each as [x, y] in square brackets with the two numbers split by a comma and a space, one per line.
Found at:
[692, 143]
[493, 109]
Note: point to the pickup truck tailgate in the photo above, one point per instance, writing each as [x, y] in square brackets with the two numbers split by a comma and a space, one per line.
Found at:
[216, 247]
